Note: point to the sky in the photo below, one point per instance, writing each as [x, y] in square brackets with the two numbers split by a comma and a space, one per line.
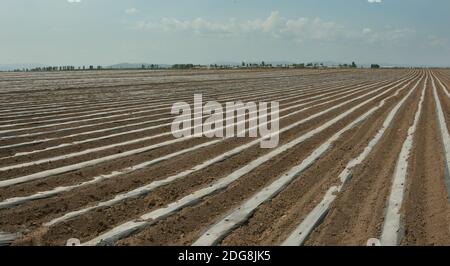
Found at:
[104, 32]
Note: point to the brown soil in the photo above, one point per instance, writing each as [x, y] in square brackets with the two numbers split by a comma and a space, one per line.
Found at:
[355, 216]
[427, 208]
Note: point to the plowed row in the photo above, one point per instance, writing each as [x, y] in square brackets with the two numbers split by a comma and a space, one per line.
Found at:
[363, 155]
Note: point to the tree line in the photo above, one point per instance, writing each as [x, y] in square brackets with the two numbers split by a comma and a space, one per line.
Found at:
[263, 64]
[58, 68]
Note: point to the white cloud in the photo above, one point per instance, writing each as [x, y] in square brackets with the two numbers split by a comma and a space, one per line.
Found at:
[366, 31]
[387, 36]
[436, 41]
[74, 1]
[131, 11]
[266, 25]
[276, 26]
[374, 1]
[199, 26]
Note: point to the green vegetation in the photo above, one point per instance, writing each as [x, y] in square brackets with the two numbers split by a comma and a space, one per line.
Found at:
[299, 65]
[183, 66]
[352, 65]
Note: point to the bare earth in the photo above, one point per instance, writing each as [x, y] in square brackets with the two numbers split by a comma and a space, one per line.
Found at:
[78, 144]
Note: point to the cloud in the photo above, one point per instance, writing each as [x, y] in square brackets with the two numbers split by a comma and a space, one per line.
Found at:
[366, 31]
[436, 41]
[74, 1]
[199, 26]
[276, 26]
[387, 36]
[374, 1]
[264, 25]
[131, 11]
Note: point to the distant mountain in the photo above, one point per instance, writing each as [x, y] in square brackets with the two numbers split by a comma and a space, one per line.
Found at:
[11, 67]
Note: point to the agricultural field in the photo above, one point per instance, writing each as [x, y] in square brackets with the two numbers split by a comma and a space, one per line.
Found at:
[363, 156]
